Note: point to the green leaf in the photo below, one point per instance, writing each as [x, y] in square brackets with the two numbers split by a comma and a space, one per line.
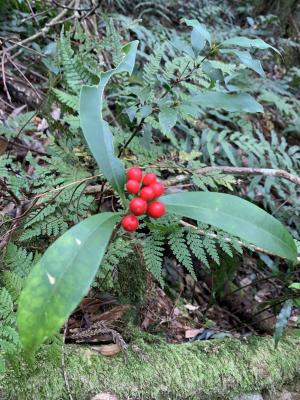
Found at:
[282, 320]
[246, 58]
[199, 35]
[167, 119]
[229, 102]
[96, 131]
[183, 47]
[242, 41]
[61, 278]
[295, 285]
[236, 216]
[215, 74]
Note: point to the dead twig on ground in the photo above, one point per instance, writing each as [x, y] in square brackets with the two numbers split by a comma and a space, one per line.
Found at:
[279, 173]
[4, 76]
[63, 364]
[42, 32]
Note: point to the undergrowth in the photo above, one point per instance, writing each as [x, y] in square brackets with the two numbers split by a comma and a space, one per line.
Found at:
[180, 139]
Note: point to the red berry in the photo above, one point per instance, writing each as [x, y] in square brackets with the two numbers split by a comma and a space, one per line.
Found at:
[156, 209]
[147, 193]
[149, 179]
[135, 174]
[138, 206]
[130, 223]
[133, 186]
[157, 188]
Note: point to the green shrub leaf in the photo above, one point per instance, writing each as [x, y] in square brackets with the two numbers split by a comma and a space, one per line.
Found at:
[246, 58]
[199, 35]
[241, 102]
[167, 119]
[295, 285]
[96, 131]
[235, 216]
[61, 278]
[243, 41]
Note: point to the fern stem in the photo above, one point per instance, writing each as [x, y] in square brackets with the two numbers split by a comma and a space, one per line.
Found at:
[135, 131]
[228, 240]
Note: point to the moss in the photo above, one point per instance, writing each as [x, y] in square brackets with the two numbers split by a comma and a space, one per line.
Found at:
[210, 370]
[132, 278]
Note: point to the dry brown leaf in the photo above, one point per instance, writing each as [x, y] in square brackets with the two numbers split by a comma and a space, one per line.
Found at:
[190, 307]
[112, 315]
[190, 333]
[108, 350]
[3, 146]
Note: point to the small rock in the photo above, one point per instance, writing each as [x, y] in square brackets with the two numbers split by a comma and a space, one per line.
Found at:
[288, 396]
[254, 396]
[104, 396]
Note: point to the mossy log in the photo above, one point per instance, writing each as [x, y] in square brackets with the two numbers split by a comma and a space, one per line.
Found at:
[200, 370]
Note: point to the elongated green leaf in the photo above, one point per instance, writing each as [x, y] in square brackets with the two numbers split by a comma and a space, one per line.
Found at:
[61, 278]
[199, 35]
[282, 320]
[99, 138]
[236, 216]
[96, 131]
[243, 41]
[229, 102]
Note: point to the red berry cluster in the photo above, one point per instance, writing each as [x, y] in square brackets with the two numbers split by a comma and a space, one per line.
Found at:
[150, 189]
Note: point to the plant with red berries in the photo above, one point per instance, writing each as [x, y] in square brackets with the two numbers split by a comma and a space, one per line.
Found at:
[148, 189]
[65, 272]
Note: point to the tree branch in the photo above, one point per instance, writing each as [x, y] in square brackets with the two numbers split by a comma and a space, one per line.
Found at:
[280, 173]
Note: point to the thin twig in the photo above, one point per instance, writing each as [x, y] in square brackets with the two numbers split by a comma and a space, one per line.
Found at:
[135, 131]
[42, 32]
[63, 364]
[32, 13]
[36, 15]
[9, 191]
[71, 8]
[28, 148]
[21, 45]
[24, 76]
[31, 71]
[7, 104]
[4, 76]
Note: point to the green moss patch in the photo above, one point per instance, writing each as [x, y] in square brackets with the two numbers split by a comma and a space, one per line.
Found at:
[200, 370]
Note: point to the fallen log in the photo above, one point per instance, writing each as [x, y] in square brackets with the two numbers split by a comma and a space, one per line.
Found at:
[216, 369]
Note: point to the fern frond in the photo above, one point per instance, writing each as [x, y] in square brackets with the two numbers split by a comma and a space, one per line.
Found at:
[69, 100]
[18, 260]
[181, 251]
[152, 67]
[196, 245]
[210, 247]
[153, 251]
[6, 307]
[74, 66]
[13, 283]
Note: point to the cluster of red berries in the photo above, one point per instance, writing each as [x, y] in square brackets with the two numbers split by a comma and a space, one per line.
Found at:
[150, 189]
